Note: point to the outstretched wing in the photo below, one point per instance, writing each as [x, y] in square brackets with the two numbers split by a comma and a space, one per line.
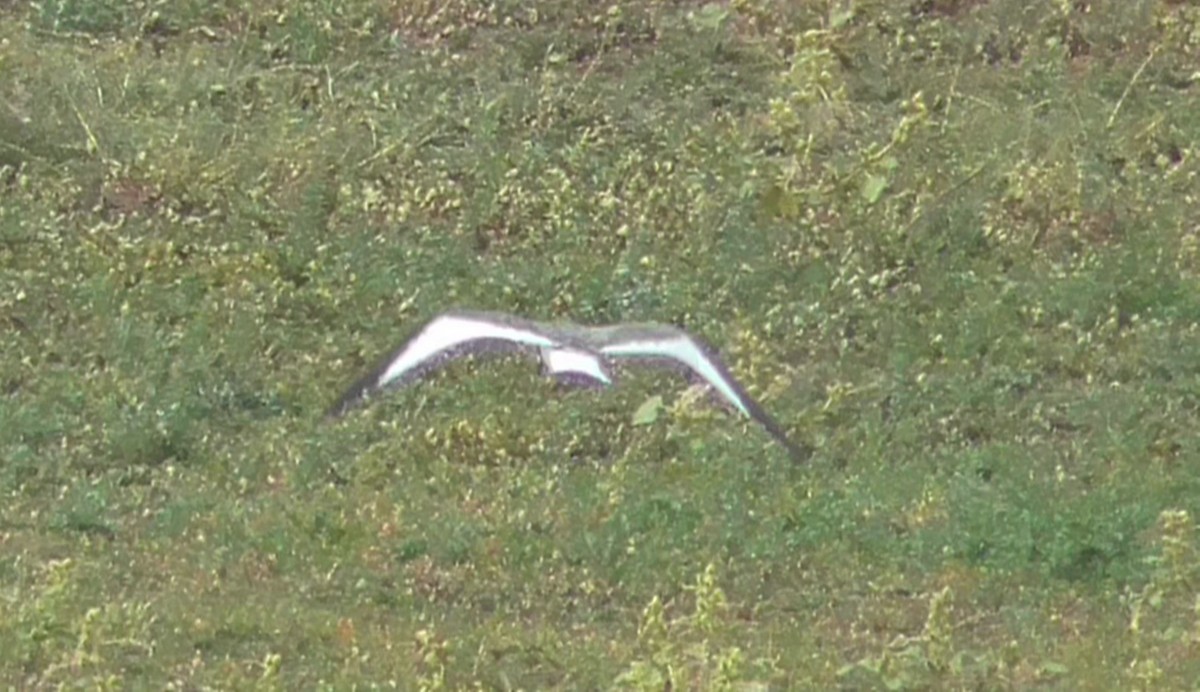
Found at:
[680, 348]
[443, 338]
[570, 353]
[576, 366]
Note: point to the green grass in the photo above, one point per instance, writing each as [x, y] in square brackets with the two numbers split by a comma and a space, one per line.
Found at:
[952, 245]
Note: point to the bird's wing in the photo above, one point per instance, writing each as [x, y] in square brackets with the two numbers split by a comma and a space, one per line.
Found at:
[442, 338]
[576, 366]
[660, 343]
[568, 352]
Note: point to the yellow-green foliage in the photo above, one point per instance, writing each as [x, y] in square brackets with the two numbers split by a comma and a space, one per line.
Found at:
[680, 652]
[950, 244]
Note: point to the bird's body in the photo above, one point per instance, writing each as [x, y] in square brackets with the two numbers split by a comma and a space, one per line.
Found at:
[572, 353]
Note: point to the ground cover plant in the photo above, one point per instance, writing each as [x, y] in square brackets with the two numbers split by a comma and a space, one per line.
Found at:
[953, 245]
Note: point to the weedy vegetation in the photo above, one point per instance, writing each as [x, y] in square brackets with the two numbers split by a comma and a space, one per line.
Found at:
[954, 245]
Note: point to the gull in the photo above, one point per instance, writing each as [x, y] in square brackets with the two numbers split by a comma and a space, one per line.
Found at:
[573, 354]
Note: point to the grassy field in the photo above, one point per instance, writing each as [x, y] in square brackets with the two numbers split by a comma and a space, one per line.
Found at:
[954, 245]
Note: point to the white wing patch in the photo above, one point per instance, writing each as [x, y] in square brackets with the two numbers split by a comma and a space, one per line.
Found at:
[685, 351]
[572, 360]
[447, 332]
[569, 351]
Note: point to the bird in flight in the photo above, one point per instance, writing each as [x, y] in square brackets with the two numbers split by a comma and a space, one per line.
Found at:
[571, 353]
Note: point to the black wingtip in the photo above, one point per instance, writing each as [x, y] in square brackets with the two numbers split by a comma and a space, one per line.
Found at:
[353, 397]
